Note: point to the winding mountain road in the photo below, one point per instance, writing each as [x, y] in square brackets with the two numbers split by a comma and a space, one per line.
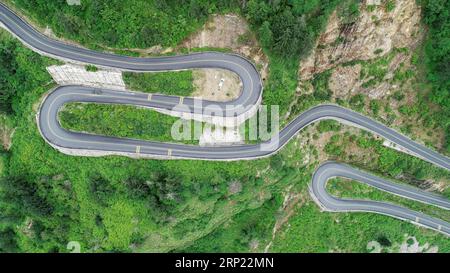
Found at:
[69, 141]
[329, 170]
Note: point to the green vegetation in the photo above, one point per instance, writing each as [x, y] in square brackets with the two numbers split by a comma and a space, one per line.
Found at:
[328, 126]
[246, 231]
[333, 147]
[129, 121]
[309, 230]
[320, 83]
[169, 83]
[378, 51]
[279, 89]
[374, 71]
[119, 204]
[353, 189]
[288, 28]
[91, 68]
[358, 102]
[389, 5]
[401, 74]
[313, 231]
[348, 11]
[308, 227]
[383, 160]
[124, 24]
[49, 198]
[437, 58]
[118, 120]
[17, 64]
[375, 107]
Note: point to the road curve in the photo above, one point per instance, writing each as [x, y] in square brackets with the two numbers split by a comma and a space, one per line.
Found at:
[328, 202]
[251, 81]
[58, 137]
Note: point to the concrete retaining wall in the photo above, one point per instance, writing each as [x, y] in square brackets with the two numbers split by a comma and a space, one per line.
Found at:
[78, 75]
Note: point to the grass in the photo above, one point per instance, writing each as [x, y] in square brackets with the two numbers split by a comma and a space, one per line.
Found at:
[374, 71]
[280, 87]
[313, 231]
[244, 231]
[119, 121]
[91, 68]
[168, 83]
[3, 162]
[320, 83]
[135, 24]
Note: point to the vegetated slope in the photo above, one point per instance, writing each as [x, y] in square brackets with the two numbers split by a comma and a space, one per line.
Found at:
[126, 24]
[114, 203]
[20, 70]
[49, 199]
[374, 63]
[437, 49]
[286, 27]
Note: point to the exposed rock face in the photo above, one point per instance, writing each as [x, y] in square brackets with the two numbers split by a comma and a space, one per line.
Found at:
[373, 34]
[345, 80]
[216, 84]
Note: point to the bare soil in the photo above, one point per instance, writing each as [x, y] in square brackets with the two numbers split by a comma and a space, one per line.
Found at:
[6, 133]
[231, 32]
[216, 84]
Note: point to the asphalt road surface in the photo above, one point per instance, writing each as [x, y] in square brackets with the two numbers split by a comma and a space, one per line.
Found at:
[328, 202]
[58, 137]
[252, 87]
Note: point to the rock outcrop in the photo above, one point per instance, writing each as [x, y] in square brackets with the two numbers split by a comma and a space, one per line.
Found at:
[373, 34]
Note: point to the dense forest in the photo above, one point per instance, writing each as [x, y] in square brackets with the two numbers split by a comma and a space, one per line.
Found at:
[437, 18]
[16, 66]
[118, 204]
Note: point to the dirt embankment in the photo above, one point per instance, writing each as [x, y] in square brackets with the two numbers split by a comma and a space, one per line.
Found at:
[351, 50]
[231, 32]
[216, 84]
